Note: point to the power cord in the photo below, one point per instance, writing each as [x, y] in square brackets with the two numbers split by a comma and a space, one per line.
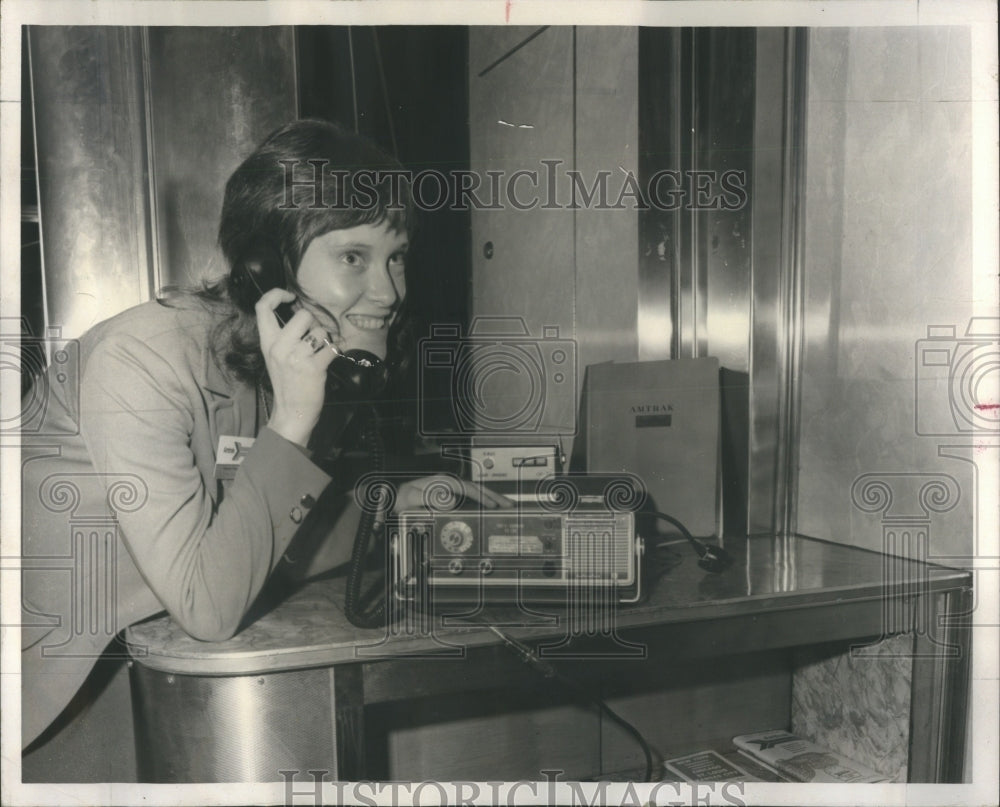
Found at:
[711, 558]
[528, 656]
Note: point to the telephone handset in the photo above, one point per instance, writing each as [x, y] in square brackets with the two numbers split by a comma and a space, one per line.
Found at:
[355, 378]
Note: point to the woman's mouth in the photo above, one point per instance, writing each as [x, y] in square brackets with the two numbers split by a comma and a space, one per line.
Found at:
[364, 322]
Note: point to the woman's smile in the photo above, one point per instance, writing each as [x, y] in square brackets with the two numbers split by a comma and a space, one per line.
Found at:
[368, 323]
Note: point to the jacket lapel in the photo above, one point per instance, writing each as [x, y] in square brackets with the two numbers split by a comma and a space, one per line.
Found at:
[231, 404]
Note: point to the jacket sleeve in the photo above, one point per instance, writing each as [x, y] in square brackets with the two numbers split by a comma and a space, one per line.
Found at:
[205, 562]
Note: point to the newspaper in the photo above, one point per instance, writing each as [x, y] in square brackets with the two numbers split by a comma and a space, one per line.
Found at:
[804, 761]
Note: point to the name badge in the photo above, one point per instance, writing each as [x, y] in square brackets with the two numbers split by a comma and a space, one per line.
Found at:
[230, 454]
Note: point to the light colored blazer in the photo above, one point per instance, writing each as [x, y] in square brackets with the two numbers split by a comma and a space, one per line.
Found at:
[122, 516]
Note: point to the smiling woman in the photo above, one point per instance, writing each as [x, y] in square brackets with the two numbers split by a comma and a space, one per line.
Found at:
[246, 361]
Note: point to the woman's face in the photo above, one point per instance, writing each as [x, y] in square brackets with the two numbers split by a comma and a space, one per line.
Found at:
[357, 276]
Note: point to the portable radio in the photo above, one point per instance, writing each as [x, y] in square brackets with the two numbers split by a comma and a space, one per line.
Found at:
[516, 555]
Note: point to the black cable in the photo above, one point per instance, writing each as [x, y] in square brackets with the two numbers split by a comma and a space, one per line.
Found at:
[375, 617]
[527, 655]
[710, 558]
[354, 78]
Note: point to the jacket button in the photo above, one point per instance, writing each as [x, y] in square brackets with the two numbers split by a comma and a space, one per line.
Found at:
[307, 501]
[295, 515]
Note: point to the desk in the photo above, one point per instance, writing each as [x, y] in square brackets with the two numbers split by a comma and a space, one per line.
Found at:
[290, 692]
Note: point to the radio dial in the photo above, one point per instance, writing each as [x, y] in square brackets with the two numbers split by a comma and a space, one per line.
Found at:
[456, 537]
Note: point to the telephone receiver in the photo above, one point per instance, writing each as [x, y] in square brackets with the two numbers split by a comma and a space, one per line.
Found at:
[354, 377]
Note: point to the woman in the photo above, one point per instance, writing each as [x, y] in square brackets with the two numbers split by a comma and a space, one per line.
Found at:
[164, 386]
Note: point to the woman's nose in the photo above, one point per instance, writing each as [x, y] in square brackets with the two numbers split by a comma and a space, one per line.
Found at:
[383, 288]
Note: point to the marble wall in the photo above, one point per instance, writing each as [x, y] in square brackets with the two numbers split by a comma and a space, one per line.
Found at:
[857, 703]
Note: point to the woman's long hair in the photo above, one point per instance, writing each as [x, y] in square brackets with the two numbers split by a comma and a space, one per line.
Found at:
[306, 179]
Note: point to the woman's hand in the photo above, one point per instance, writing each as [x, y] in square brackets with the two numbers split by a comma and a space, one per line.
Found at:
[443, 492]
[296, 368]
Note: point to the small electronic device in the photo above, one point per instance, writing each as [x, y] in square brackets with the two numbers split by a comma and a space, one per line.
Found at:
[516, 555]
[517, 464]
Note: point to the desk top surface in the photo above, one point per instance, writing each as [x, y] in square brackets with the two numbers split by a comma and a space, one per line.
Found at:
[309, 628]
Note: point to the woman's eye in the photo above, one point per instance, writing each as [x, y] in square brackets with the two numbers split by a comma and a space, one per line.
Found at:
[398, 260]
[353, 258]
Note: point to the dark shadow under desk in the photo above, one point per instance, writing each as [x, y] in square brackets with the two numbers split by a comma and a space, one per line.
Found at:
[301, 689]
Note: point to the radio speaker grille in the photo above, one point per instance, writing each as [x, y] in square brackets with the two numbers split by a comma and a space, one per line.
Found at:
[597, 549]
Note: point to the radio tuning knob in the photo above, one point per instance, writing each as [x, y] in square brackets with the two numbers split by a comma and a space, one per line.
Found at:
[456, 537]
